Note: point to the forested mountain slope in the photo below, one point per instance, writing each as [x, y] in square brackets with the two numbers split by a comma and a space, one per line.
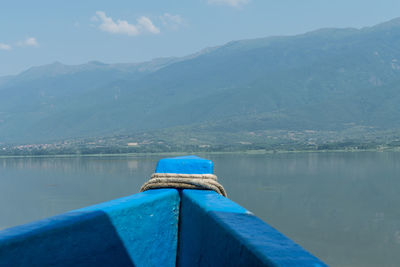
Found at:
[326, 80]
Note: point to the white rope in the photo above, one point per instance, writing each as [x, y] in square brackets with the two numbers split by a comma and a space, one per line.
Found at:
[184, 181]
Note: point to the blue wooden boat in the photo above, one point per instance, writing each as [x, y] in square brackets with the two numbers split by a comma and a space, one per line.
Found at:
[160, 227]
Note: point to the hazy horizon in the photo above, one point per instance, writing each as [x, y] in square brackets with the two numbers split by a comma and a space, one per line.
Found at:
[46, 31]
[185, 55]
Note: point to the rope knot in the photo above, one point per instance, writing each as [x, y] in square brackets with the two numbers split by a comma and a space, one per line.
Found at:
[184, 181]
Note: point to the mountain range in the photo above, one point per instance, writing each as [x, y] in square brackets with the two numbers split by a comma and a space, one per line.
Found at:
[329, 80]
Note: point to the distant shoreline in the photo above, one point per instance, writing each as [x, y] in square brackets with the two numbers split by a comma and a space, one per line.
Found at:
[249, 152]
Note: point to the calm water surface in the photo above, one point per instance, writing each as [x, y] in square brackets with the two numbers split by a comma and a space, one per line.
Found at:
[343, 207]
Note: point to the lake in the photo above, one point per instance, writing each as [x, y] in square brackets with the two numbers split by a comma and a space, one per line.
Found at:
[342, 207]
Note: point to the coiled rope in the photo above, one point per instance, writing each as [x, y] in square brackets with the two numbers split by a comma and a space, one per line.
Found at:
[184, 181]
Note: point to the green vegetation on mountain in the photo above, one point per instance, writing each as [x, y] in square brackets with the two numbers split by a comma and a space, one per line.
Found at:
[324, 88]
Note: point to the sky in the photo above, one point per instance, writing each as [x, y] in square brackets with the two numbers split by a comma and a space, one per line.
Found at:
[39, 32]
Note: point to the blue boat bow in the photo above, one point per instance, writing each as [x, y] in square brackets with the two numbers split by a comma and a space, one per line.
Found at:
[160, 227]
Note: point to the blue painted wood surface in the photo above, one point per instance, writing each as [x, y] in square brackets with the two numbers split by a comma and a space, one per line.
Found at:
[187, 164]
[214, 231]
[139, 230]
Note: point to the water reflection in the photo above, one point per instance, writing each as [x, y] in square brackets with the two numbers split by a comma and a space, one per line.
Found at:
[341, 206]
[133, 164]
[35, 188]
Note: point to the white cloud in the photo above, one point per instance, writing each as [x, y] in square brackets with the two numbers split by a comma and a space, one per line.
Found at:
[121, 26]
[5, 46]
[30, 41]
[144, 24]
[233, 3]
[171, 21]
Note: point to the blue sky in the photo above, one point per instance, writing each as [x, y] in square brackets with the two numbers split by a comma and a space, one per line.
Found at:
[73, 32]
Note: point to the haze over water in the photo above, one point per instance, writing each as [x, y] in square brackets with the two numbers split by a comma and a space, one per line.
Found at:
[342, 207]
